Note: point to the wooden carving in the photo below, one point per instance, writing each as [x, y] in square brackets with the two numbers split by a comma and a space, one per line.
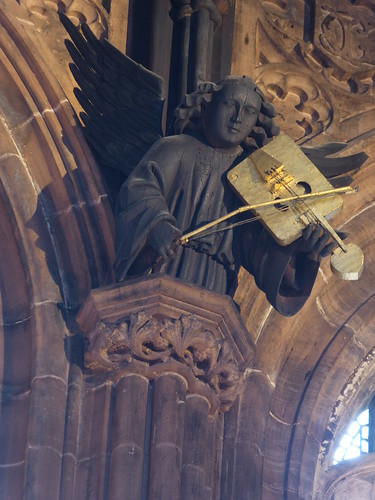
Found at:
[280, 171]
[305, 107]
[277, 171]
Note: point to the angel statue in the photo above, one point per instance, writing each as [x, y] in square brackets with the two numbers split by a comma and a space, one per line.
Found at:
[177, 183]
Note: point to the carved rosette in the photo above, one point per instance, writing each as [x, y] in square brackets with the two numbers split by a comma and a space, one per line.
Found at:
[149, 344]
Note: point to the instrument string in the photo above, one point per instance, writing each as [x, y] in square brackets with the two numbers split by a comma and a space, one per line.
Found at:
[296, 206]
[308, 212]
[235, 224]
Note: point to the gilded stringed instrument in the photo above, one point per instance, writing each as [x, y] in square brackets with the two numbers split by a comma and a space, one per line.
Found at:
[279, 171]
[286, 200]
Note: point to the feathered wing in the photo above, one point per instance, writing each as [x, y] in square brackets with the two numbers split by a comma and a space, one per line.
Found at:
[123, 104]
[122, 100]
[337, 170]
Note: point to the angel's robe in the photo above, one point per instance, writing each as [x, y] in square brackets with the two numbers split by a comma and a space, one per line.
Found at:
[182, 179]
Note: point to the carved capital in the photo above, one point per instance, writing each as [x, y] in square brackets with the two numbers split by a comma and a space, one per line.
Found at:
[159, 325]
[184, 8]
[182, 345]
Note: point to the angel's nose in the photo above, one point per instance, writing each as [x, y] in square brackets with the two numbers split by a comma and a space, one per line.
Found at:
[237, 115]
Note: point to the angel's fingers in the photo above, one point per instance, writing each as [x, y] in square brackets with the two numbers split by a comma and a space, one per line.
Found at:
[328, 249]
[342, 235]
[322, 243]
[318, 239]
[308, 231]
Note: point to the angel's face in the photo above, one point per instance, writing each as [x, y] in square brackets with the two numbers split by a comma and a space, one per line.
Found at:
[231, 116]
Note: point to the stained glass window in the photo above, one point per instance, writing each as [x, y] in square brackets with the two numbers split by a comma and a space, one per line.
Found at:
[355, 441]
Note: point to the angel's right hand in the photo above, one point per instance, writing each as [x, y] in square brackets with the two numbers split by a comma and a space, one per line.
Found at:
[161, 239]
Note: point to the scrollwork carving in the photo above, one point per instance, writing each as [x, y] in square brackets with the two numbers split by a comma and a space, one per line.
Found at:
[150, 340]
[349, 33]
[305, 109]
[287, 16]
[332, 38]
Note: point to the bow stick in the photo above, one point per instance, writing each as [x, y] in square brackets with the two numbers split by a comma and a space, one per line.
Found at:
[185, 238]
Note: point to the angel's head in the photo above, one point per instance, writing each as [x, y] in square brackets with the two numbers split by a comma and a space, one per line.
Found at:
[229, 113]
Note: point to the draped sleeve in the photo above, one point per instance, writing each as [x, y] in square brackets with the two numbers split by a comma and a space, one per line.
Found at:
[180, 180]
[142, 204]
[285, 274]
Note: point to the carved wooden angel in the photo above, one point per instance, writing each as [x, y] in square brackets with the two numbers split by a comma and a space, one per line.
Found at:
[177, 183]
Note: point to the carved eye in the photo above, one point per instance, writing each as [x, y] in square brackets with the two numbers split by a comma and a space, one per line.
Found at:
[250, 110]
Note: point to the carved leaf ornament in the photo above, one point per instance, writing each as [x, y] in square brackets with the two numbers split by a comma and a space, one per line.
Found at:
[153, 341]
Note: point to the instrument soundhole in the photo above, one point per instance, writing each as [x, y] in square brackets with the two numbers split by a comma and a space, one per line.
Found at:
[282, 207]
[304, 186]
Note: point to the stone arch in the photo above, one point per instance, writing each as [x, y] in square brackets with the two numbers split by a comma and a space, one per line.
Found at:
[304, 366]
[327, 364]
[57, 244]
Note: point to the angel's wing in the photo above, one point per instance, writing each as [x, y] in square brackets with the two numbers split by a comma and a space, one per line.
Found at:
[122, 100]
[337, 170]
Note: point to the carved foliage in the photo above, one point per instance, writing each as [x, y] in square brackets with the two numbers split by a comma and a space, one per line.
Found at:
[151, 340]
[345, 38]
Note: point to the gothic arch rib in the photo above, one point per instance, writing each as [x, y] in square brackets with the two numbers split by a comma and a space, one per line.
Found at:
[56, 244]
[325, 353]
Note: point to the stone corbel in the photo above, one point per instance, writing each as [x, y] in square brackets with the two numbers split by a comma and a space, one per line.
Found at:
[162, 325]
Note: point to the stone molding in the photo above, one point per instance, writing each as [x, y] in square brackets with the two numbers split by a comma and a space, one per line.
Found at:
[159, 324]
[324, 47]
[353, 478]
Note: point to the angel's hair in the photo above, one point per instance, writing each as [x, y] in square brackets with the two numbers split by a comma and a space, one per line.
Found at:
[189, 114]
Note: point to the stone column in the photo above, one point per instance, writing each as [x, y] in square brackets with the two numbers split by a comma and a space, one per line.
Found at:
[174, 355]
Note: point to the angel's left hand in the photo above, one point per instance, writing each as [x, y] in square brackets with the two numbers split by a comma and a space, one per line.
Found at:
[316, 239]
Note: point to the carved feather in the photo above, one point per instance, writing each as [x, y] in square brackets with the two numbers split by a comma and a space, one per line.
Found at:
[122, 101]
[339, 170]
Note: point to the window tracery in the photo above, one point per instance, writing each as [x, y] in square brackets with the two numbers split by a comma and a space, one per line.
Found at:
[355, 441]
